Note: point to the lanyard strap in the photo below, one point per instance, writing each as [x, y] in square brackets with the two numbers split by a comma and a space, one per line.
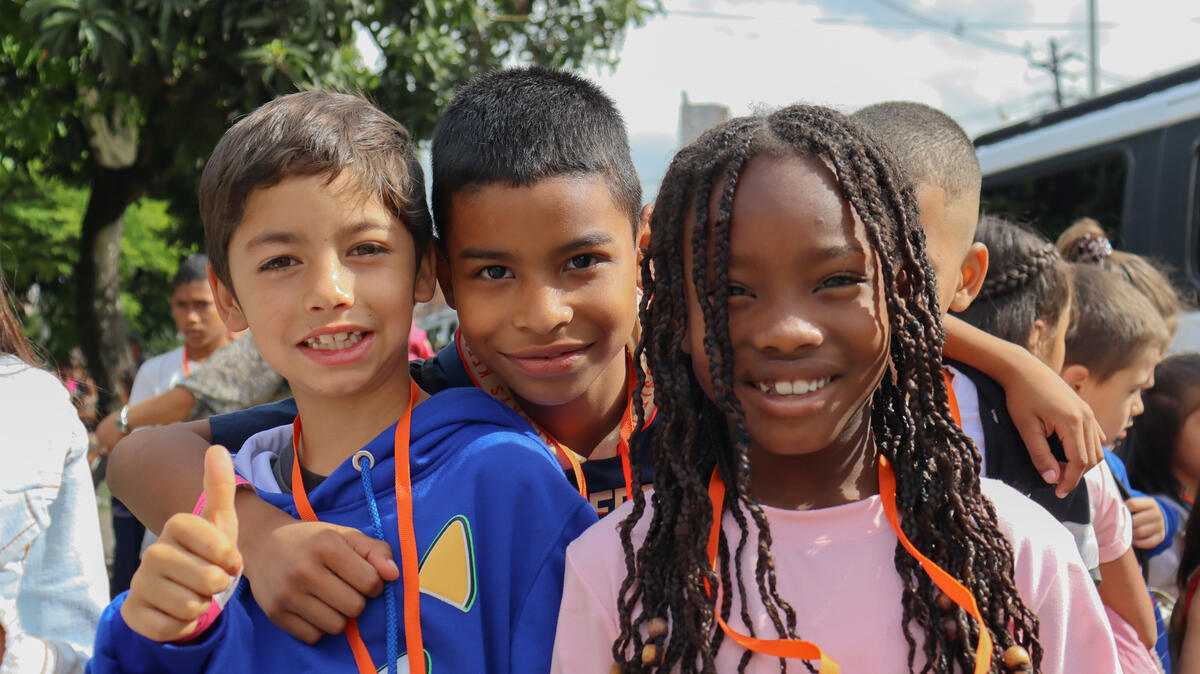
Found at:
[953, 398]
[409, 576]
[795, 648]
[482, 377]
[187, 368]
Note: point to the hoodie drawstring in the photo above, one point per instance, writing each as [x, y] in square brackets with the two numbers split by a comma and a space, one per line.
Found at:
[363, 461]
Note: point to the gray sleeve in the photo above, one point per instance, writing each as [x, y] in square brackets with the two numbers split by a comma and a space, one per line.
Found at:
[235, 377]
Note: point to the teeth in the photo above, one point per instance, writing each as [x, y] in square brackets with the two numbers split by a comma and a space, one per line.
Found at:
[792, 388]
[334, 341]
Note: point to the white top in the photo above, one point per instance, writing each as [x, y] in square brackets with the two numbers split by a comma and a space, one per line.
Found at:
[836, 567]
[53, 583]
[967, 396]
[159, 375]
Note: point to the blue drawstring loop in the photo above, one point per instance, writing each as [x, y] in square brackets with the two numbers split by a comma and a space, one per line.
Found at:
[364, 467]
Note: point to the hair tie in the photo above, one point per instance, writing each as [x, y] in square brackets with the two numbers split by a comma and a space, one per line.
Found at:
[1093, 248]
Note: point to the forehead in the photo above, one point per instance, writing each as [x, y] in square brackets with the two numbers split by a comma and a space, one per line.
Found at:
[1140, 367]
[790, 207]
[192, 290]
[519, 216]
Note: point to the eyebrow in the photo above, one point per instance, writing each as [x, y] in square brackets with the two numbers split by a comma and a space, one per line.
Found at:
[592, 240]
[286, 237]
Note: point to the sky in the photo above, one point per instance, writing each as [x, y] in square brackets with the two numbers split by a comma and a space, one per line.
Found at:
[756, 54]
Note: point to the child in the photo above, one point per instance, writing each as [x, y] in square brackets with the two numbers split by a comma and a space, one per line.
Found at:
[1185, 628]
[1113, 345]
[939, 159]
[1163, 459]
[791, 327]
[316, 231]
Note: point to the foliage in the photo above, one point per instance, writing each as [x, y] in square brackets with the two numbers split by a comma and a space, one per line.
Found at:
[39, 250]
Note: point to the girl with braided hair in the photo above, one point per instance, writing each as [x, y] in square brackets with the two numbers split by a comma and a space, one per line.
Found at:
[813, 498]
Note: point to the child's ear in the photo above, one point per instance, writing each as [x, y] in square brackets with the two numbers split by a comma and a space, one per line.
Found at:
[425, 283]
[442, 267]
[970, 277]
[227, 304]
[1033, 344]
[1076, 375]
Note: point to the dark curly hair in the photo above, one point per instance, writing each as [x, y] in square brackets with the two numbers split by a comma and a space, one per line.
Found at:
[942, 510]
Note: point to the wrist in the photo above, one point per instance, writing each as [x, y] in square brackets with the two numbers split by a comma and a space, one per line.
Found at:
[122, 423]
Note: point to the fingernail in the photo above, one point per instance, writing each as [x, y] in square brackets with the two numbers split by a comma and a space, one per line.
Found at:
[392, 563]
[1050, 476]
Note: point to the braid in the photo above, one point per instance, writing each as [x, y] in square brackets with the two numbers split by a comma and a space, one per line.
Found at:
[938, 489]
[1019, 274]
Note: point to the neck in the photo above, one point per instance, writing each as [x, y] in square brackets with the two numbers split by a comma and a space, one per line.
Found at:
[336, 427]
[589, 425]
[201, 353]
[839, 474]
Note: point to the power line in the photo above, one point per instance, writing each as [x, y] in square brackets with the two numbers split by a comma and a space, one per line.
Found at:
[966, 25]
[956, 28]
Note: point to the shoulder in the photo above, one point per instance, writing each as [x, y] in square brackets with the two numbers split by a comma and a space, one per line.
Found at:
[33, 399]
[162, 361]
[1020, 518]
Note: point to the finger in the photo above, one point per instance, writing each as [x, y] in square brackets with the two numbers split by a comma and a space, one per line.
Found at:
[169, 597]
[1039, 451]
[320, 615]
[377, 553]
[202, 539]
[298, 627]
[219, 488]
[152, 623]
[183, 567]
[1095, 442]
[1075, 446]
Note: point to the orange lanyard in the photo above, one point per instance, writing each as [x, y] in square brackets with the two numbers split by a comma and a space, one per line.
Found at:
[485, 379]
[408, 544]
[187, 368]
[953, 398]
[805, 650]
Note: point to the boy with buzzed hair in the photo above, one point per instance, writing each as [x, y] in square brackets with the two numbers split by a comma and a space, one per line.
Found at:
[317, 233]
[939, 159]
[537, 204]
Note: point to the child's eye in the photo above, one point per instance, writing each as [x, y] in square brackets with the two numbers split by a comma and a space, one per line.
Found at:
[280, 262]
[841, 281]
[368, 249]
[495, 272]
[736, 290]
[583, 261]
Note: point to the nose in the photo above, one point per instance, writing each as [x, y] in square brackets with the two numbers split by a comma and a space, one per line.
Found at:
[785, 332]
[542, 309]
[1138, 406]
[330, 285]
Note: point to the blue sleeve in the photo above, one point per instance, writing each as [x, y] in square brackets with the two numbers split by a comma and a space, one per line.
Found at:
[119, 649]
[1119, 471]
[537, 618]
[233, 429]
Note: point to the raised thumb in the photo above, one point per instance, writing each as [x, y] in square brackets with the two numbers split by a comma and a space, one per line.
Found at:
[219, 488]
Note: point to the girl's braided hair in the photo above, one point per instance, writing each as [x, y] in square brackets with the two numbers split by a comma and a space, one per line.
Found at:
[1027, 280]
[937, 468]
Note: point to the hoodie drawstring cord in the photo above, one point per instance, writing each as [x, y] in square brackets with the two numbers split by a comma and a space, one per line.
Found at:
[363, 461]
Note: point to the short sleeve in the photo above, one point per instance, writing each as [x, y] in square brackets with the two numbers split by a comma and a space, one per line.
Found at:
[235, 377]
[1110, 517]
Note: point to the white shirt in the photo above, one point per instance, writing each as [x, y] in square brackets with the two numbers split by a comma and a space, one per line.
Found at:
[968, 410]
[159, 375]
[53, 583]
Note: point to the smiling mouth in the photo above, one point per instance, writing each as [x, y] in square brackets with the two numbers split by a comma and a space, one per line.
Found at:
[792, 387]
[334, 341]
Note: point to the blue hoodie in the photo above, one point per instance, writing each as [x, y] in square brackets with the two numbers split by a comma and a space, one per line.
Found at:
[493, 516]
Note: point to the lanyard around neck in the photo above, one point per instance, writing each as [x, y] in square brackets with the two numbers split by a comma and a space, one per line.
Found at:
[805, 650]
[187, 368]
[410, 571]
[485, 379]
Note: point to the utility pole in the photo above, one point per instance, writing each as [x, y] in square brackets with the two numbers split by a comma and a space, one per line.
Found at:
[1093, 52]
[1053, 65]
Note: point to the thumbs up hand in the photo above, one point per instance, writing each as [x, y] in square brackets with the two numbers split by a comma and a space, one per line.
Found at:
[195, 558]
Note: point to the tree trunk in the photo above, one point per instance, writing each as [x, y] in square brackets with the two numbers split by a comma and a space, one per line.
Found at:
[101, 323]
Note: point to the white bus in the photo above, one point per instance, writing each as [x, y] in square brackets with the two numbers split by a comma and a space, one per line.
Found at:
[1129, 159]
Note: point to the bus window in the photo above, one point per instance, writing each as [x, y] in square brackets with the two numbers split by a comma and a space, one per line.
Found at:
[1051, 201]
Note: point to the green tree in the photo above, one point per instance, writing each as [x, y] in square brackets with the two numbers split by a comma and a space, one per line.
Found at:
[125, 98]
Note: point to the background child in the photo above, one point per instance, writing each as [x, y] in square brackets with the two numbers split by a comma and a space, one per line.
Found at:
[1185, 628]
[316, 229]
[1113, 345]
[1164, 459]
[790, 362]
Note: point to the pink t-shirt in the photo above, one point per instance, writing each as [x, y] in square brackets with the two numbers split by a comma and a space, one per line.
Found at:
[835, 566]
[1110, 517]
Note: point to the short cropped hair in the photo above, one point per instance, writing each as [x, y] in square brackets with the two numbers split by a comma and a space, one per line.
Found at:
[1026, 281]
[519, 126]
[932, 147]
[1113, 322]
[193, 268]
[306, 134]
